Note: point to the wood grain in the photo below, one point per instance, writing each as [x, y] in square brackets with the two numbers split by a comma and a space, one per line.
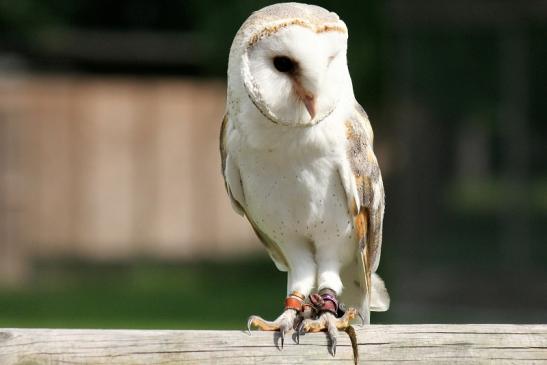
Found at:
[425, 344]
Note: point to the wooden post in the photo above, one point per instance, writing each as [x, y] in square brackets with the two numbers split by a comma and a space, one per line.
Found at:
[427, 344]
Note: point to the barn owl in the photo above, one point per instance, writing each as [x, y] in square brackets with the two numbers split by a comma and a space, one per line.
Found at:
[298, 163]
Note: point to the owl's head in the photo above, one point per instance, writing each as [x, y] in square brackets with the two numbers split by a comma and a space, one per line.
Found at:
[291, 61]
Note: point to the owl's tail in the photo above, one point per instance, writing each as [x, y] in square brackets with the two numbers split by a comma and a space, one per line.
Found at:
[379, 301]
[354, 295]
[379, 298]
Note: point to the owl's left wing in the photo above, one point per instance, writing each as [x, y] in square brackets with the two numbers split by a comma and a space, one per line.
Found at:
[364, 188]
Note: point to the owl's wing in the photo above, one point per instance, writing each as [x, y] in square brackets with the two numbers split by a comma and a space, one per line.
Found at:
[232, 179]
[234, 187]
[362, 181]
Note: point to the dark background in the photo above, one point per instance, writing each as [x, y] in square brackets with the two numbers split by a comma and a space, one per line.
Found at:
[456, 93]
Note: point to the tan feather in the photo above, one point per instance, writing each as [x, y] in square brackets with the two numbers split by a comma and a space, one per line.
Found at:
[368, 219]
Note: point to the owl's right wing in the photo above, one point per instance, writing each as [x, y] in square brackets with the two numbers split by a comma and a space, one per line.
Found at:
[234, 187]
[232, 179]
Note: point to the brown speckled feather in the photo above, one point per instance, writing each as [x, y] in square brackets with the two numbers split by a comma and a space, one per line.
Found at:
[278, 16]
[368, 219]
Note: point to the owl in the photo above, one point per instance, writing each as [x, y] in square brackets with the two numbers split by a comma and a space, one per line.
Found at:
[298, 163]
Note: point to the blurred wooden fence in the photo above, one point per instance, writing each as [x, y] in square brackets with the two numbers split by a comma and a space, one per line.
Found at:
[113, 168]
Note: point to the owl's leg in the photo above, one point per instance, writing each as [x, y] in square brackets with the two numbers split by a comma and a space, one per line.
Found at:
[331, 317]
[300, 281]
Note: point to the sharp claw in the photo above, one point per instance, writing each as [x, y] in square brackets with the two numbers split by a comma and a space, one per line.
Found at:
[249, 323]
[299, 331]
[333, 346]
[362, 318]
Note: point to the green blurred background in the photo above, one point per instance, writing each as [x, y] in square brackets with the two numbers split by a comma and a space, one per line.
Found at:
[456, 92]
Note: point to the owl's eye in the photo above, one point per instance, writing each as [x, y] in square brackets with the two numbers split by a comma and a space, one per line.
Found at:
[283, 64]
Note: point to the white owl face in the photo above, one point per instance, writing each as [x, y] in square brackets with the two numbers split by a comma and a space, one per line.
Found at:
[296, 75]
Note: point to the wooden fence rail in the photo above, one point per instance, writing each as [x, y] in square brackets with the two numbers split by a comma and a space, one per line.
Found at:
[436, 344]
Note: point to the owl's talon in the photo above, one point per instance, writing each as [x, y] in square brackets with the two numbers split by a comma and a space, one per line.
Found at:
[299, 331]
[249, 324]
[332, 347]
[332, 333]
[284, 323]
[361, 318]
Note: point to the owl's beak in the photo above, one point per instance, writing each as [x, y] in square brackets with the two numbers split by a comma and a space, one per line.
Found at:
[309, 102]
[307, 98]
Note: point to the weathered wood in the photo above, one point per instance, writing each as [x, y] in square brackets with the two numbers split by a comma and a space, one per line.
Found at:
[377, 344]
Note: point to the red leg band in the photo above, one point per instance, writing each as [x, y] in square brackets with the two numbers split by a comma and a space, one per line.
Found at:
[293, 303]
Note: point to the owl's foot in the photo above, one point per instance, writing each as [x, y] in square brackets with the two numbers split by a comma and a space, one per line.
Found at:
[327, 322]
[332, 318]
[285, 322]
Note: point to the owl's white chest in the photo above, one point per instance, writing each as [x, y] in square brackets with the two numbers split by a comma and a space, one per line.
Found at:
[292, 187]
